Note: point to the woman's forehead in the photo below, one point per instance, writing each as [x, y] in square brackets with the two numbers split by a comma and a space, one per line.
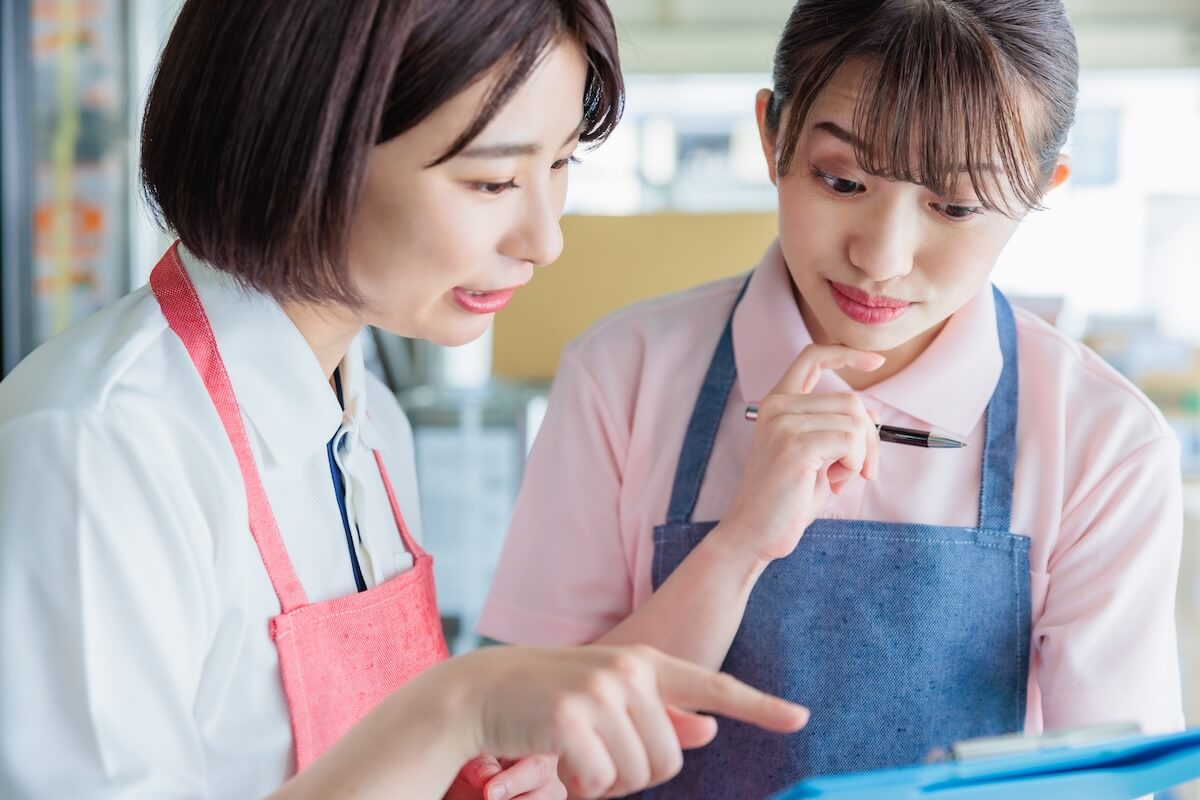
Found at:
[935, 136]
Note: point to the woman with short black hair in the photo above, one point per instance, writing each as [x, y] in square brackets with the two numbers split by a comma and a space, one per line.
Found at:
[210, 571]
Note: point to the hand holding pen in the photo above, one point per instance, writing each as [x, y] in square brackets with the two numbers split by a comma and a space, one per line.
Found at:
[806, 447]
[894, 435]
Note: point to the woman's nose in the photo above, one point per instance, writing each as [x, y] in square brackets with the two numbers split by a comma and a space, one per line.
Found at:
[884, 243]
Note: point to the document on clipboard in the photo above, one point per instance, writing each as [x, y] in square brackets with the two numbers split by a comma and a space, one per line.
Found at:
[1104, 763]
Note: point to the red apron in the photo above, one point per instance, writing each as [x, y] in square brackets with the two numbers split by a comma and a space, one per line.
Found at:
[340, 657]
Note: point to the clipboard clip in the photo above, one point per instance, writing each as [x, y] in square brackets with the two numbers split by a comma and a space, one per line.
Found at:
[1016, 743]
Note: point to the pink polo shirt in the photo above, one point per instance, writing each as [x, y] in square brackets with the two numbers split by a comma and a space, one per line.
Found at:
[1097, 485]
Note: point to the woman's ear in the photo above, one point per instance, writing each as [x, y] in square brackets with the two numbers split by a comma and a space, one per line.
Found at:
[1062, 171]
[767, 134]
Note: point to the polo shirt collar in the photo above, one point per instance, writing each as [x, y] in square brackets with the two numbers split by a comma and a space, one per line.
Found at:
[947, 387]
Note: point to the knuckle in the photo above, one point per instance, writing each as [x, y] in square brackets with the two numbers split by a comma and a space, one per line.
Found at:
[603, 779]
[669, 767]
[626, 665]
[770, 406]
[644, 652]
[605, 688]
[780, 422]
[645, 659]
[635, 776]
[723, 686]
[590, 784]
[545, 769]
[789, 425]
[596, 684]
[568, 714]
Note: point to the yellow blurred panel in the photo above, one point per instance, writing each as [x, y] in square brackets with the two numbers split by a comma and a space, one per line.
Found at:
[610, 262]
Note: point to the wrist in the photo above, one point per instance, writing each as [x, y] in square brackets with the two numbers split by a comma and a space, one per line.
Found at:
[726, 544]
[455, 707]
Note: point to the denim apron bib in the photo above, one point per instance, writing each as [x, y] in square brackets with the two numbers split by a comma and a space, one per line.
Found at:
[900, 637]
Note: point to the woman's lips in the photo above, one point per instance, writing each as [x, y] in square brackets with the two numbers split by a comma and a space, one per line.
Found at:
[483, 302]
[865, 308]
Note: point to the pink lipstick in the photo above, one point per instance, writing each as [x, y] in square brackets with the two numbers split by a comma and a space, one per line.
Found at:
[483, 302]
[865, 308]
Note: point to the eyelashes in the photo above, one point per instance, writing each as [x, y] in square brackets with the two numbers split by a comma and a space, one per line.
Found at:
[843, 187]
[498, 188]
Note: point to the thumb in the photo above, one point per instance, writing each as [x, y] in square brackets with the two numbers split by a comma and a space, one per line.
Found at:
[837, 475]
[480, 770]
[693, 730]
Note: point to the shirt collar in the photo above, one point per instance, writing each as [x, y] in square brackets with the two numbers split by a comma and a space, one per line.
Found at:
[948, 387]
[355, 419]
[278, 382]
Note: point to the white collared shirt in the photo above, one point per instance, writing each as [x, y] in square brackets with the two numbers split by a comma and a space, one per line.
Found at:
[134, 605]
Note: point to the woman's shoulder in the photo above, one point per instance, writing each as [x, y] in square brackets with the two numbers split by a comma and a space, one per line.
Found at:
[119, 380]
[1064, 381]
[85, 367]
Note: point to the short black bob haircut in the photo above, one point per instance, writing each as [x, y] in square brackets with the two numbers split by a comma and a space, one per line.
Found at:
[262, 114]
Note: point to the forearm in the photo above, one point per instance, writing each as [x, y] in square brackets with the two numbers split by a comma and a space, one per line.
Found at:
[696, 612]
[412, 745]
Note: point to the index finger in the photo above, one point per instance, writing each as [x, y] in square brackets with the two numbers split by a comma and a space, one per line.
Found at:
[802, 375]
[684, 684]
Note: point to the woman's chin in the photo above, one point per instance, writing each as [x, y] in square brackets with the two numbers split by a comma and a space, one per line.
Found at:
[443, 332]
[460, 333]
[878, 338]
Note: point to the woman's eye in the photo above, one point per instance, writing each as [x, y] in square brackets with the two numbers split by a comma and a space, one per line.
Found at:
[840, 185]
[562, 163]
[954, 212]
[494, 188]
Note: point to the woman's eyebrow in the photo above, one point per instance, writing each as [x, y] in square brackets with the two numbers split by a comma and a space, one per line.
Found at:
[514, 149]
[840, 133]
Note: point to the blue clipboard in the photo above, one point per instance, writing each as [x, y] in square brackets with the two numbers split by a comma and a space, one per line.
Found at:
[1121, 769]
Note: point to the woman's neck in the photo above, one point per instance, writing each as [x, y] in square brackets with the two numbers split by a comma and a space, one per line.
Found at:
[329, 331]
[898, 358]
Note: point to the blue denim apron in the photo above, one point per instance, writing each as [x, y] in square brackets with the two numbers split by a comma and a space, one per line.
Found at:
[899, 637]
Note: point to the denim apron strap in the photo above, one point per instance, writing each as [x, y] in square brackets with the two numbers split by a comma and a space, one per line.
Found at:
[704, 424]
[1000, 436]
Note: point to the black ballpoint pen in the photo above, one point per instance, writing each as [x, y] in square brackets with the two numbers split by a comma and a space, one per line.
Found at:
[889, 433]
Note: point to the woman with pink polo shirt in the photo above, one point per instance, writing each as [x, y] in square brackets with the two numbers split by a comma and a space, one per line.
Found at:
[910, 597]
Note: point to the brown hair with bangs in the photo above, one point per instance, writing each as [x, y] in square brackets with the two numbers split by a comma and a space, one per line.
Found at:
[262, 114]
[948, 86]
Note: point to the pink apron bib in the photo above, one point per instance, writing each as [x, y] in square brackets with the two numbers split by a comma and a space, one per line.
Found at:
[340, 657]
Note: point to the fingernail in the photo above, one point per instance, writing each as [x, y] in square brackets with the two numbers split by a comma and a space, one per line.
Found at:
[497, 792]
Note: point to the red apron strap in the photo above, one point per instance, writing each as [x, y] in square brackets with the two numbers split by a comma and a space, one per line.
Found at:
[185, 314]
[409, 542]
